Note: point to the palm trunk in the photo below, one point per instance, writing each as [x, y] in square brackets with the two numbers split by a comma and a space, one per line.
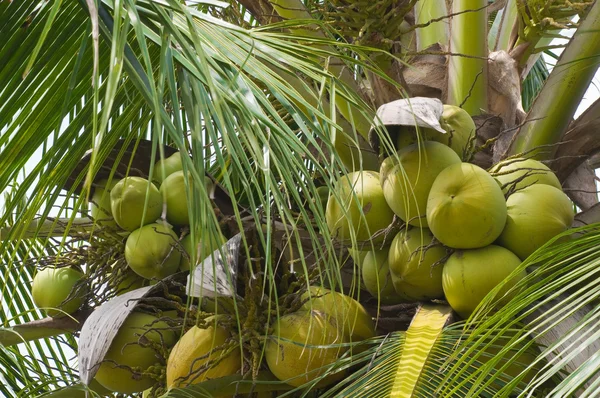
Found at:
[435, 32]
[467, 68]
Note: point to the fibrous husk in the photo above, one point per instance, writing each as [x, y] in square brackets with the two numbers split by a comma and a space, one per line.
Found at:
[504, 88]
[488, 127]
[581, 139]
[581, 186]
[427, 75]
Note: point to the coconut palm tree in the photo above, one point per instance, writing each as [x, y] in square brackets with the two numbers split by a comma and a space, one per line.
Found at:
[273, 99]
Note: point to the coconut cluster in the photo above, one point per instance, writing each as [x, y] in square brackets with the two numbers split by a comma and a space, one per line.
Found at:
[135, 204]
[303, 343]
[465, 229]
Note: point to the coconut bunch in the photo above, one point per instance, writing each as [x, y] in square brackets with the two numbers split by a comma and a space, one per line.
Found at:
[465, 229]
[153, 249]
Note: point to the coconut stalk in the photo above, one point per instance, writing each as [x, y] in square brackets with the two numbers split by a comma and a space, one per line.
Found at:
[467, 68]
[50, 228]
[551, 114]
[42, 328]
[434, 32]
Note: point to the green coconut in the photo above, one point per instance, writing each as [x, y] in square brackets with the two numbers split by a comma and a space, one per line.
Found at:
[536, 214]
[218, 305]
[127, 200]
[457, 123]
[100, 204]
[459, 126]
[343, 213]
[376, 276]
[516, 174]
[128, 281]
[54, 291]
[407, 135]
[151, 251]
[355, 322]
[173, 191]
[295, 351]
[358, 256]
[323, 195]
[205, 248]
[129, 355]
[202, 354]
[469, 275]
[171, 165]
[466, 208]
[406, 184]
[415, 268]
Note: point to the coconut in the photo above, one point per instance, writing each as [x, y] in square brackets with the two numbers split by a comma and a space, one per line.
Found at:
[202, 354]
[376, 276]
[128, 281]
[415, 268]
[100, 204]
[459, 126]
[406, 184]
[469, 275]
[323, 195]
[130, 354]
[355, 322]
[171, 165]
[292, 353]
[218, 305]
[128, 201]
[536, 214]
[407, 135]
[516, 174]
[54, 291]
[151, 253]
[205, 248]
[358, 256]
[343, 213]
[173, 191]
[466, 208]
